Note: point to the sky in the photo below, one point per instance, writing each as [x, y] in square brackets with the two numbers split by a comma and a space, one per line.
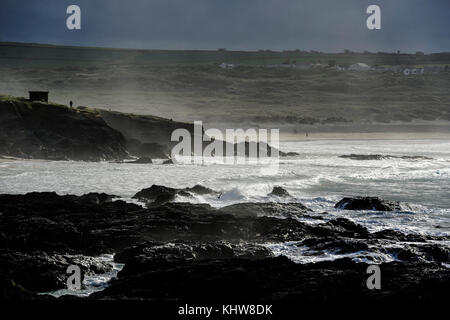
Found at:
[324, 25]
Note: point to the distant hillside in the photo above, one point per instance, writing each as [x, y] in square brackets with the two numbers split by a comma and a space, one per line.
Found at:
[42, 55]
[57, 132]
[190, 85]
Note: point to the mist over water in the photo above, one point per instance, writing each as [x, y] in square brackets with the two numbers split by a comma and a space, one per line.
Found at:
[317, 177]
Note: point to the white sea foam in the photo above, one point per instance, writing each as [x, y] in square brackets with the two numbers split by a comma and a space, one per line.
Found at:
[317, 177]
[92, 282]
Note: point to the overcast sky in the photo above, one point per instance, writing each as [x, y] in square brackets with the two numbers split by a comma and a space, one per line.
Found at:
[325, 25]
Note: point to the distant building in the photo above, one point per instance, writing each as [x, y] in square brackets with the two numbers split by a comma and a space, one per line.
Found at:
[225, 65]
[413, 71]
[39, 96]
[359, 67]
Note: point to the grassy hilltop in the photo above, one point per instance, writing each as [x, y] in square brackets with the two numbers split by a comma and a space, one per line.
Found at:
[190, 85]
[33, 129]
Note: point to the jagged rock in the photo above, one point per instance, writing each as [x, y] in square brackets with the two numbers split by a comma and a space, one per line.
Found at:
[275, 280]
[46, 231]
[201, 190]
[342, 227]
[156, 193]
[11, 291]
[368, 203]
[279, 192]
[142, 160]
[38, 271]
[168, 161]
[151, 255]
[160, 194]
[289, 154]
[146, 150]
[56, 132]
[286, 210]
[399, 236]
[337, 245]
[381, 157]
[97, 198]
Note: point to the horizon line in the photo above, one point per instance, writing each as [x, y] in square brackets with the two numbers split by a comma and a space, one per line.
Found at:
[311, 51]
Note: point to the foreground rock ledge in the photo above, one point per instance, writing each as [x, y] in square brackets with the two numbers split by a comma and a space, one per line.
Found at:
[170, 247]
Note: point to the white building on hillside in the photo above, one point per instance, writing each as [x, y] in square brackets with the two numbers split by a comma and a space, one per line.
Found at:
[359, 67]
[413, 71]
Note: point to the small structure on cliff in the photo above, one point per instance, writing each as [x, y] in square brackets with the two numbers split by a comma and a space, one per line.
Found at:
[38, 96]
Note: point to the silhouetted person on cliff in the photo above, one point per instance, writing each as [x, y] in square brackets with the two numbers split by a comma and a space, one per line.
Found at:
[71, 103]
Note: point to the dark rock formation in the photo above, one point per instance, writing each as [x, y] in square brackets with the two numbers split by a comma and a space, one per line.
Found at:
[151, 150]
[142, 160]
[181, 250]
[40, 271]
[199, 189]
[274, 279]
[279, 210]
[11, 291]
[168, 161]
[279, 191]
[289, 154]
[381, 157]
[56, 132]
[154, 133]
[336, 245]
[368, 203]
[160, 194]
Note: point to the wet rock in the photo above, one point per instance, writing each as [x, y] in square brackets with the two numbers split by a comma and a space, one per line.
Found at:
[381, 157]
[399, 236]
[193, 250]
[11, 291]
[168, 161]
[146, 150]
[342, 227]
[368, 203]
[336, 245]
[97, 198]
[160, 194]
[289, 154]
[279, 192]
[275, 279]
[201, 190]
[363, 156]
[155, 192]
[435, 252]
[202, 245]
[142, 160]
[56, 132]
[273, 209]
[39, 271]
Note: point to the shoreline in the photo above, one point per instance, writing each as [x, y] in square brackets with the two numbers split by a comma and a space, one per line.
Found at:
[323, 136]
[312, 137]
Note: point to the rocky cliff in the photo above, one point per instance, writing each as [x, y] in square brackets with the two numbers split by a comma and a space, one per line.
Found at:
[52, 131]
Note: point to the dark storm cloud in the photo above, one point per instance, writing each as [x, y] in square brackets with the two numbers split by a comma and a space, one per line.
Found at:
[327, 25]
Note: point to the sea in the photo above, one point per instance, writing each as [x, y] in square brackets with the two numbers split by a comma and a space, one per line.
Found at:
[414, 172]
